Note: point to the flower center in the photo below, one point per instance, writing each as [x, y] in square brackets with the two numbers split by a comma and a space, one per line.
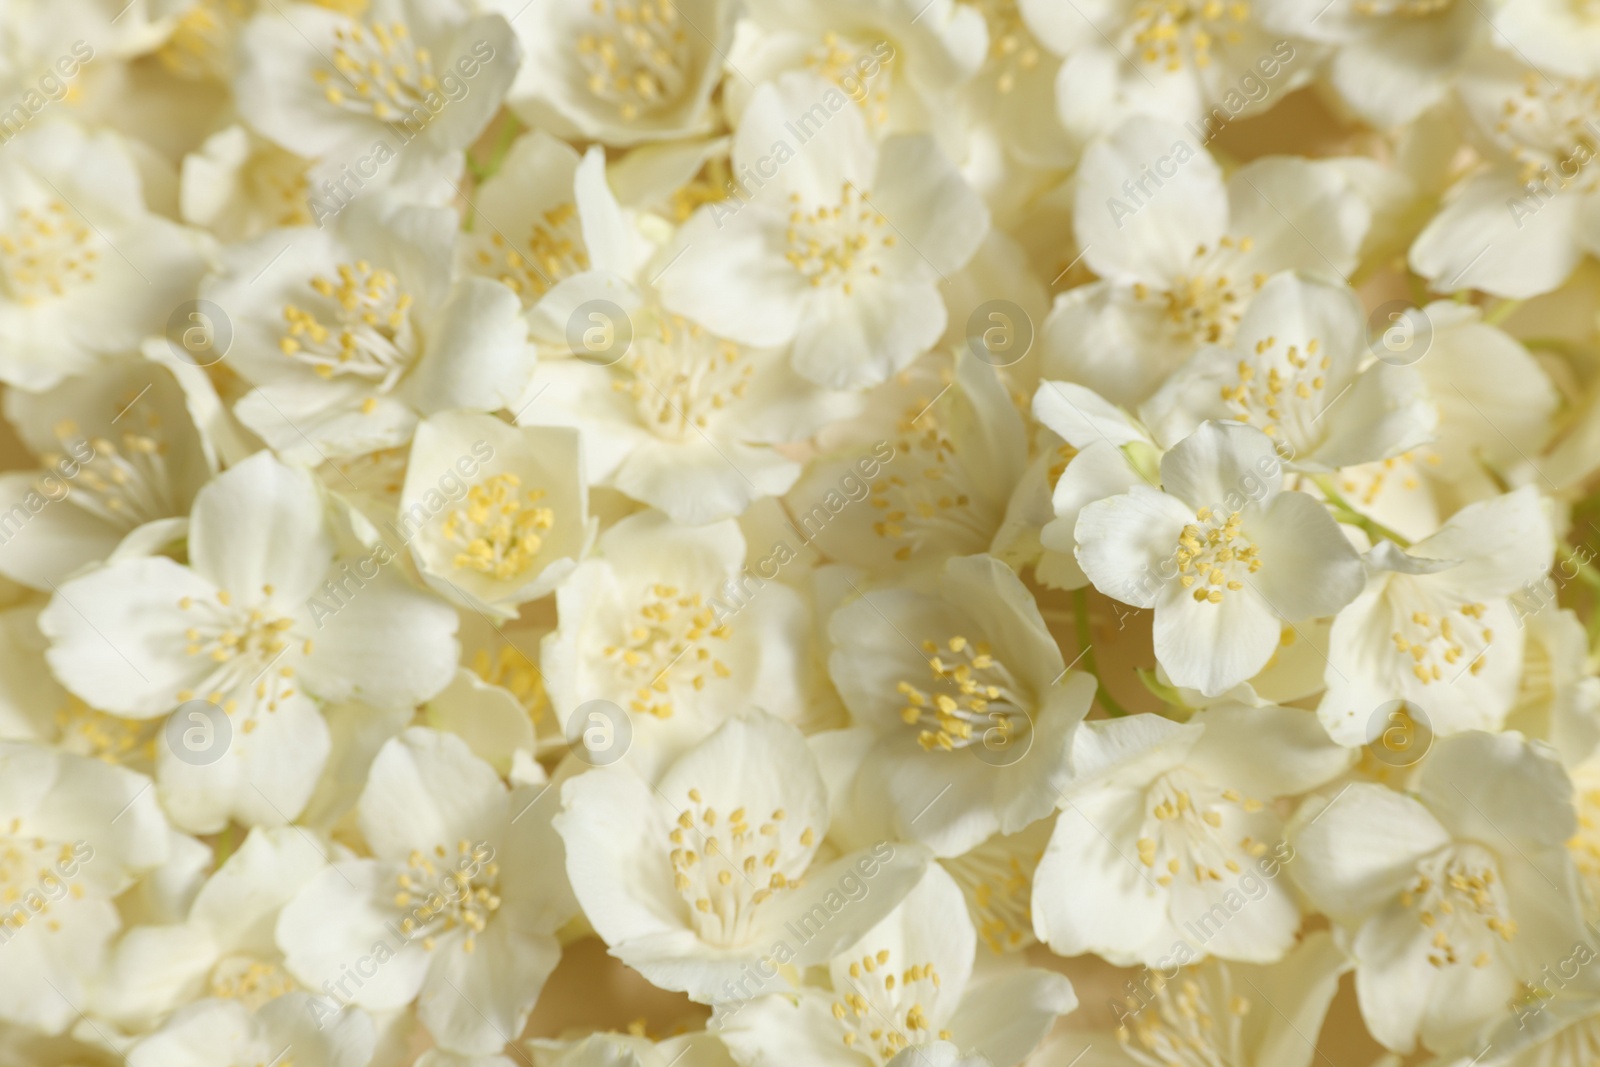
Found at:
[87, 732]
[934, 503]
[1013, 51]
[368, 333]
[997, 880]
[127, 487]
[554, 251]
[838, 58]
[664, 630]
[974, 695]
[835, 244]
[44, 252]
[278, 181]
[500, 528]
[1457, 893]
[1277, 382]
[379, 73]
[679, 376]
[252, 981]
[1435, 640]
[726, 871]
[1549, 130]
[243, 643]
[28, 872]
[883, 1012]
[1183, 829]
[200, 45]
[1214, 554]
[1191, 1021]
[442, 898]
[1367, 481]
[1206, 303]
[1585, 845]
[638, 57]
[512, 671]
[1164, 30]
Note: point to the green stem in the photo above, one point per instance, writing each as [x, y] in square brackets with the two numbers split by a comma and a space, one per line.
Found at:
[497, 155]
[224, 847]
[1080, 616]
[1419, 290]
[1167, 694]
[1501, 310]
[1346, 513]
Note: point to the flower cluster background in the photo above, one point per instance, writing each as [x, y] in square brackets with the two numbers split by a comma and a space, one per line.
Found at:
[799, 533]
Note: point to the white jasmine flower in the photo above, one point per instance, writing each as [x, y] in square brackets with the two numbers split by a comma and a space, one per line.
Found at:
[74, 834]
[668, 624]
[423, 79]
[908, 982]
[955, 450]
[457, 905]
[684, 420]
[522, 522]
[352, 332]
[621, 71]
[1170, 848]
[708, 881]
[1181, 253]
[1533, 200]
[87, 271]
[120, 460]
[1299, 348]
[837, 245]
[966, 694]
[244, 626]
[239, 185]
[544, 221]
[899, 60]
[1452, 894]
[1221, 552]
[1012, 97]
[1434, 626]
